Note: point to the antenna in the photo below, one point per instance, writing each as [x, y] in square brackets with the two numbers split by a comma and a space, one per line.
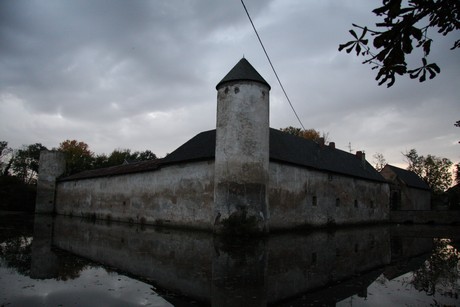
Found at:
[349, 147]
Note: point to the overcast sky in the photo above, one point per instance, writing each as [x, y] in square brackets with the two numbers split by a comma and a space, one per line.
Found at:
[142, 75]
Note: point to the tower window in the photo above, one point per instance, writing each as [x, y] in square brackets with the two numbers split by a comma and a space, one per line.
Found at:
[314, 201]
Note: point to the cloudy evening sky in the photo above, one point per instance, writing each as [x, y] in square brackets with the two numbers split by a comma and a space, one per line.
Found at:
[142, 75]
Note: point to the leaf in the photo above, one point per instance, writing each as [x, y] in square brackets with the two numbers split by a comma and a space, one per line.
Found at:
[427, 46]
[432, 72]
[456, 45]
[342, 46]
[414, 73]
[358, 49]
[416, 33]
[400, 69]
[435, 67]
[423, 77]
[363, 34]
[407, 44]
[354, 34]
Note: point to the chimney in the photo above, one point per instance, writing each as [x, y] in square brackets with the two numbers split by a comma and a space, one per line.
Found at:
[332, 145]
[361, 156]
[321, 142]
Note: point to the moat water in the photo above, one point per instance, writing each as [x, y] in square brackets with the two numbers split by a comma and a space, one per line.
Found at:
[67, 261]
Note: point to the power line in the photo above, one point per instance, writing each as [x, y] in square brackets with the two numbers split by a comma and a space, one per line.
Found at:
[273, 68]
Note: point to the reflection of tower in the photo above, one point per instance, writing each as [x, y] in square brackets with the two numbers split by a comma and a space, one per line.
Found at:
[242, 151]
[52, 165]
[44, 261]
[239, 273]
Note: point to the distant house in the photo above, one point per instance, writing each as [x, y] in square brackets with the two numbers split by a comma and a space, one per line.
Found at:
[407, 190]
[454, 197]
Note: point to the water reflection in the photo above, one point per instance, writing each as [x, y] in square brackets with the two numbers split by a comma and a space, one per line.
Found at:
[349, 266]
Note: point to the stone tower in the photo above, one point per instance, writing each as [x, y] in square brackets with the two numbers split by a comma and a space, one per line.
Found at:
[242, 152]
[51, 165]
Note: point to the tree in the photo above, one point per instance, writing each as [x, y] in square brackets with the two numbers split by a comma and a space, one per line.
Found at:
[25, 162]
[99, 161]
[379, 161]
[457, 166]
[457, 124]
[120, 156]
[5, 158]
[403, 24]
[147, 155]
[78, 157]
[457, 173]
[435, 171]
[309, 134]
[440, 270]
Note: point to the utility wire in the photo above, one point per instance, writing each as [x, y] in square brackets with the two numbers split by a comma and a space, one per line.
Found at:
[273, 68]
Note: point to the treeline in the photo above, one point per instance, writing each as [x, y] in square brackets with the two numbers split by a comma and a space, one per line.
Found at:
[79, 157]
[19, 168]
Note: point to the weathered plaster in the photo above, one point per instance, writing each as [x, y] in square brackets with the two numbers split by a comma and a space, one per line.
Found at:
[179, 195]
[303, 197]
[242, 157]
[51, 166]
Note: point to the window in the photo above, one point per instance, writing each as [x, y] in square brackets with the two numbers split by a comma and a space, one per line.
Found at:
[356, 203]
[314, 201]
[337, 202]
[313, 258]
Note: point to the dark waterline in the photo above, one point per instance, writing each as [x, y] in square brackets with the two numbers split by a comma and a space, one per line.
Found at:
[74, 262]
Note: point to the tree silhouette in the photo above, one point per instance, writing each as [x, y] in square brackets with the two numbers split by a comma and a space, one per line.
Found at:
[404, 23]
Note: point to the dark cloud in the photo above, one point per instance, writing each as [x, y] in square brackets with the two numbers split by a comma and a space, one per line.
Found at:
[141, 74]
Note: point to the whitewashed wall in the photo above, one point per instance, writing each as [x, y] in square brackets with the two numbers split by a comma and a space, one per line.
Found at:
[179, 195]
[302, 197]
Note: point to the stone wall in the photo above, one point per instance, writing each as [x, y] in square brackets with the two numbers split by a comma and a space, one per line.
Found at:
[415, 199]
[183, 195]
[179, 195]
[425, 217]
[302, 197]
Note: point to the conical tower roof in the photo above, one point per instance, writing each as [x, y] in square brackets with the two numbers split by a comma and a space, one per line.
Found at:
[243, 71]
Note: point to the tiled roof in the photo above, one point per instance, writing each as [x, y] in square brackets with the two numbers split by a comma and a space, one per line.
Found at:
[135, 167]
[243, 71]
[296, 150]
[284, 148]
[410, 178]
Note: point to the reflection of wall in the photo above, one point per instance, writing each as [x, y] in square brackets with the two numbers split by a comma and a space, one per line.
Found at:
[212, 270]
[300, 196]
[424, 217]
[300, 263]
[180, 195]
[177, 261]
